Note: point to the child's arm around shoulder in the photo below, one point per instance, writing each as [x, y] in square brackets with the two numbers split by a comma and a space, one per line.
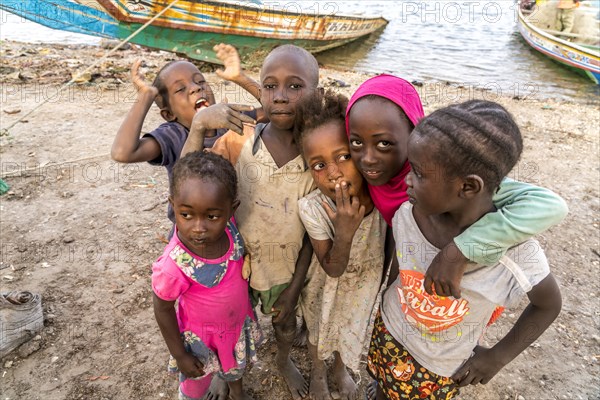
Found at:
[524, 210]
[128, 147]
[545, 305]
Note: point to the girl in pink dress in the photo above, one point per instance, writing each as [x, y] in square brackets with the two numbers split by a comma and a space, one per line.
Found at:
[201, 300]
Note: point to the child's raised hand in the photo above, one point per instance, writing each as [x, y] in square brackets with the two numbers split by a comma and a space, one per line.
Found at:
[139, 80]
[480, 368]
[231, 61]
[222, 115]
[349, 214]
[190, 366]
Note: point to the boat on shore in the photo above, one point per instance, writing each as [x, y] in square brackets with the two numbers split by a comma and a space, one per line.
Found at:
[580, 57]
[193, 27]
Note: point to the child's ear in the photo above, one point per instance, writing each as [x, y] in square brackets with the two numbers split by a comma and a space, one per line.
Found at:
[235, 205]
[472, 185]
[170, 200]
[167, 115]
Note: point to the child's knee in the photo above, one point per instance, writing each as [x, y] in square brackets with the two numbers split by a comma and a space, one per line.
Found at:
[286, 330]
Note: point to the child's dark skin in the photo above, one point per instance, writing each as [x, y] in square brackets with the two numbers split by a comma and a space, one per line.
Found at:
[185, 84]
[380, 151]
[202, 210]
[166, 317]
[442, 212]
[285, 81]
[326, 152]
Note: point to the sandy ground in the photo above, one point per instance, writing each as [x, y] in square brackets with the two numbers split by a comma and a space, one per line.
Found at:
[82, 231]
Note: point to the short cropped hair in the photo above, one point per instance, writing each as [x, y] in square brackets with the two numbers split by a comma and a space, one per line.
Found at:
[310, 62]
[206, 166]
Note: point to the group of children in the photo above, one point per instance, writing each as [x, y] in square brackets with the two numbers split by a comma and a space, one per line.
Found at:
[320, 204]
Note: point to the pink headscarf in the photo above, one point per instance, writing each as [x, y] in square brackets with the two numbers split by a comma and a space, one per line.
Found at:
[389, 196]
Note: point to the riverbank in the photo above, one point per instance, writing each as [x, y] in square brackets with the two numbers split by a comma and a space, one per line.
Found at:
[82, 231]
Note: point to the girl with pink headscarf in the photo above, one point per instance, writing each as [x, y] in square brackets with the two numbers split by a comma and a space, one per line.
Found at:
[379, 119]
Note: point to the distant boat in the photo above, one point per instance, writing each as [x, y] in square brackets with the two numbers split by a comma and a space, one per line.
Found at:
[582, 58]
[193, 27]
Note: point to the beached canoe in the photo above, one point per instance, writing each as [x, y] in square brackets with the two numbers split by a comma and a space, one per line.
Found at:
[584, 59]
[193, 27]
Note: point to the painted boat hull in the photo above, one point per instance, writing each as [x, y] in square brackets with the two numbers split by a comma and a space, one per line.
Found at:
[583, 60]
[194, 27]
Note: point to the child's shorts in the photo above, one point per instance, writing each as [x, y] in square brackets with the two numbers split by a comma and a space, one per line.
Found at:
[398, 374]
[267, 298]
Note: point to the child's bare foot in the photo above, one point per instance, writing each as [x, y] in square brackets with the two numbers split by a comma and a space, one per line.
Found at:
[372, 390]
[294, 379]
[236, 391]
[218, 389]
[346, 386]
[319, 389]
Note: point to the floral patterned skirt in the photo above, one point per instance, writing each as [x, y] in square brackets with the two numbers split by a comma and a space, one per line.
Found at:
[398, 374]
[245, 353]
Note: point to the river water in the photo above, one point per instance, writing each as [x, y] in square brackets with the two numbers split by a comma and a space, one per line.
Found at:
[467, 42]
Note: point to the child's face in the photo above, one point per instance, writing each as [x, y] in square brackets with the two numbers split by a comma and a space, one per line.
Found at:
[202, 209]
[429, 188]
[327, 154]
[187, 92]
[378, 139]
[285, 83]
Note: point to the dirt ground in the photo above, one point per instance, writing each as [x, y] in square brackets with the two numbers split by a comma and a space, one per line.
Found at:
[82, 231]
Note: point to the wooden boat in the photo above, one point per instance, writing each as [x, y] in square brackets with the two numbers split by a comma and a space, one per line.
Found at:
[584, 59]
[193, 27]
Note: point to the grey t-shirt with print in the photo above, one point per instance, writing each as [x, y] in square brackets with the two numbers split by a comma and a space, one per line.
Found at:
[441, 332]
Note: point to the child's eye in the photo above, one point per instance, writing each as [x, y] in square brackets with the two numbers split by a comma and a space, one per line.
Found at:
[181, 89]
[295, 86]
[383, 144]
[213, 217]
[318, 166]
[344, 157]
[269, 86]
[355, 143]
[185, 215]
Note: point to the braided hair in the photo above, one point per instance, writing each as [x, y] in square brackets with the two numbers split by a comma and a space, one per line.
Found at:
[475, 137]
[206, 166]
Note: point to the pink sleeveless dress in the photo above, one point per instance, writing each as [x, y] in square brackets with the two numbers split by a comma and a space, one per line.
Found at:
[214, 313]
